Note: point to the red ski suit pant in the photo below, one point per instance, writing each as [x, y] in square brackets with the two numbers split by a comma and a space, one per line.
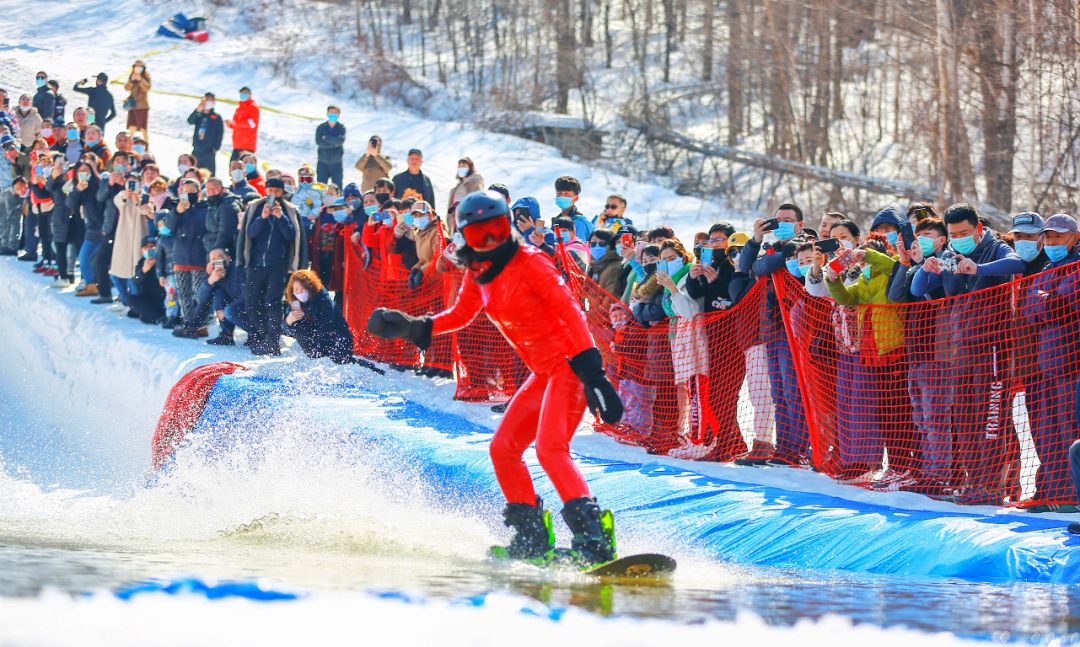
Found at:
[531, 305]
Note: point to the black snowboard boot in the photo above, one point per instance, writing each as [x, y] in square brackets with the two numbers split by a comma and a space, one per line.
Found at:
[534, 536]
[594, 531]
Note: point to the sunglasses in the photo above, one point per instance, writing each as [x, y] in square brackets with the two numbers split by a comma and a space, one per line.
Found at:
[307, 178]
[609, 207]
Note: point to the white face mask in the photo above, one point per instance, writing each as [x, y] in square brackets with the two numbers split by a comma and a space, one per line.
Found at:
[183, 168]
[237, 174]
[301, 295]
[462, 171]
[847, 244]
[209, 105]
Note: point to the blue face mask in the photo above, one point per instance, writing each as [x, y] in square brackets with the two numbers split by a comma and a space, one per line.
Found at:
[340, 215]
[805, 269]
[786, 231]
[371, 208]
[164, 231]
[926, 245]
[964, 245]
[1056, 252]
[332, 118]
[40, 82]
[139, 148]
[244, 96]
[866, 272]
[1026, 249]
[249, 168]
[597, 251]
[565, 235]
[305, 185]
[674, 266]
[563, 202]
[892, 237]
[793, 266]
[72, 134]
[422, 222]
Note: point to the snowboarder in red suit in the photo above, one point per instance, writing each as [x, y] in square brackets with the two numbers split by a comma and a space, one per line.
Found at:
[527, 299]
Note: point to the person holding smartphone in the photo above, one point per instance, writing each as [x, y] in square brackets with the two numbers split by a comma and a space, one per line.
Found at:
[373, 165]
[132, 228]
[314, 322]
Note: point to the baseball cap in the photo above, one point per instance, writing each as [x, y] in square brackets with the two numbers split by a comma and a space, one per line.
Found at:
[1062, 223]
[275, 183]
[1028, 222]
[738, 239]
[415, 151]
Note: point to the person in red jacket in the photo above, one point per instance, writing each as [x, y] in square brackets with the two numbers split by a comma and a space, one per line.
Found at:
[527, 298]
[244, 124]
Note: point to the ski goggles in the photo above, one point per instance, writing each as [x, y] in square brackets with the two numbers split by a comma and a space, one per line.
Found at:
[477, 234]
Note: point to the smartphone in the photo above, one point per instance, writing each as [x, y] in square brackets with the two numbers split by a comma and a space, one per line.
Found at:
[145, 199]
[628, 240]
[132, 185]
[828, 246]
[706, 255]
[907, 233]
[771, 224]
[183, 197]
[295, 305]
[270, 201]
[219, 265]
[539, 224]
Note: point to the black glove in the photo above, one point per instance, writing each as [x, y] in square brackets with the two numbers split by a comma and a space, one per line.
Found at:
[394, 324]
[416, 278]
[600, 395]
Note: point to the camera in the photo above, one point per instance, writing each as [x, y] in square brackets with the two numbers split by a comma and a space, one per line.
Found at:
[949, 261]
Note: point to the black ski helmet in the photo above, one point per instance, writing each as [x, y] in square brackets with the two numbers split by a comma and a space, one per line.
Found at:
[480, 206]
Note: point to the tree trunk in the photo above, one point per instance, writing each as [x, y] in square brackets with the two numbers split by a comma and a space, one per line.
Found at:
[670, 33]
[607, 34]
[565, 56]
[996, 60]
[950, 117]
[734, 72]
[709, 42]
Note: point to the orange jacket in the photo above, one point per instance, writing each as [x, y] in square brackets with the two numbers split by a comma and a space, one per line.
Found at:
[245, 126]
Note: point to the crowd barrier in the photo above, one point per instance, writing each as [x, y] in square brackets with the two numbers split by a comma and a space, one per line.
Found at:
[971, 398]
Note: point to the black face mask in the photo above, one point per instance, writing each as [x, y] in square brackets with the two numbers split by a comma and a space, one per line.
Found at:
[382, 198]
[650, 269]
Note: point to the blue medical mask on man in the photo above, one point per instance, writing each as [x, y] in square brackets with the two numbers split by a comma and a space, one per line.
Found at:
[892, 237]
[1056, 253]
[1026, 249]
[785, 231]
[964, 244]
[926, 245]
[563, 202]
[244, 96]
[597, 251]
[249, 168]
[421, 222]
[332, 117]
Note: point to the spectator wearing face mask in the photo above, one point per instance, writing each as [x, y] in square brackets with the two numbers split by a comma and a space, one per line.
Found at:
[251, 174]
[239, 185]
[138, 88]
[82, 200]
[29, 121]
[222, 217]
[1046, 303]
[758, 260]
[888, 222]
[148, 297]
[94, 144]
[271, 246]
[710, 278]
[59, 104]
[327, 246]
[468, 181]
[44, 101]
[209, 129]
[567, 192]
[187, 221]
[37, 227]
[578, 249]
[606, 264]
[872, 373]
[99, 99]
[373, 165]
[9, 124]
[12, 205]
[330, 142]
[1026, 240]
[245, 126]
[314, 322]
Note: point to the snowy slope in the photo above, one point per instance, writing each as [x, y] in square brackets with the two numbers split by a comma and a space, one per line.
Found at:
[182, 71]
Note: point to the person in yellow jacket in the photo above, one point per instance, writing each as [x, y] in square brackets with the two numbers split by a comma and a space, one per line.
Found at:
[873, 412]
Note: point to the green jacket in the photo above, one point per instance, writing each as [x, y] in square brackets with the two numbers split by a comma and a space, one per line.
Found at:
[887, 323]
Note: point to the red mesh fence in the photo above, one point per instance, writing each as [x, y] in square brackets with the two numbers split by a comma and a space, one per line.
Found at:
[970, 398]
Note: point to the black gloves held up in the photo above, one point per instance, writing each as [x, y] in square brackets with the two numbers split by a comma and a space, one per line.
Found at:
[394, 324]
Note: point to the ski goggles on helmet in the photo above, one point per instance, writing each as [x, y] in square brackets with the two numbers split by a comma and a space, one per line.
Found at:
[477, 234]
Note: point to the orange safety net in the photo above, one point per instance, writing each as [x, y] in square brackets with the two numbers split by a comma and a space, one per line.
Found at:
[970, 398]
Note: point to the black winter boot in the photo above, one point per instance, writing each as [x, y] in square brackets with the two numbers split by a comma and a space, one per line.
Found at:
[534, 536]
[594, 530]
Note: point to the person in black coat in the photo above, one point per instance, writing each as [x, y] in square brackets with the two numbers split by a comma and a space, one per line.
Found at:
[222, 216]
[330, 138]
[187, 221]
[83, 203]
[710, 281]
[44, 98]
[412, 183]
[209, 130]
[314, 322]
[99, 99]
[148, 302]
[224, 286]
